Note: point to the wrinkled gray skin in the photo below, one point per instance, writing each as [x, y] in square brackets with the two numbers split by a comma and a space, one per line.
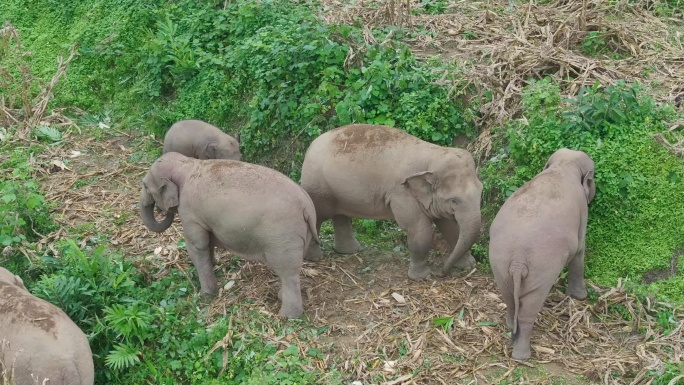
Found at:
[380, 172]
[39, 339]
[540, 228]
[200, 140]
[253, 211]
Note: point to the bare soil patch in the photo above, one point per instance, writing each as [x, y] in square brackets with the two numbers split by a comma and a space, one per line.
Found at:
[375, 324]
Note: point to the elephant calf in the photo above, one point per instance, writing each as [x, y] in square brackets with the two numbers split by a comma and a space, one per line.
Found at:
[539, 229]
[200, 140]
[380, 172]
[39, 343]
[253, 211]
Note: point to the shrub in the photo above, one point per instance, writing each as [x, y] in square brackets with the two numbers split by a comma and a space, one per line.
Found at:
[634, 224]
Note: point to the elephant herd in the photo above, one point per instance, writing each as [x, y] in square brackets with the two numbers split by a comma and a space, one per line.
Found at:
[354, 171]
[372, 172]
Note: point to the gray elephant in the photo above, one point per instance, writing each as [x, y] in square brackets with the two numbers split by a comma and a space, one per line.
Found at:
[38, 341]
[253, 211]
[539, 229]
[380, 172]
[200, 140]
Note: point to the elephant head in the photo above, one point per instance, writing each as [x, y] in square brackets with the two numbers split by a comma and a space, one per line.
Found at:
[565, 157]
[222, 147]
[161, 192]
[450, 189]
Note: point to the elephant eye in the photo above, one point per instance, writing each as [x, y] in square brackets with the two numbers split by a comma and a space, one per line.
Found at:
[454, 201]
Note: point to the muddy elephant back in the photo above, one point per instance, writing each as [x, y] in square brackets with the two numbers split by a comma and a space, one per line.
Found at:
[361, 138]
[51, 344]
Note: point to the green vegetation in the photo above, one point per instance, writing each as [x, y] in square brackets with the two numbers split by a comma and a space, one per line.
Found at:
[635, 224]
[269, 70]
[24, 214]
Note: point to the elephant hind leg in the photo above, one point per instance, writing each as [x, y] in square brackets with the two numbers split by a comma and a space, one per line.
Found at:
[290, 294]
[531, 304]
[345, 242]
[286, 262]
[577, 288]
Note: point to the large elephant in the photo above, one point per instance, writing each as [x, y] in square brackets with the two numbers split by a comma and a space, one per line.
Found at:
[539, 229]
[253, 211]
[39, 343]
[380, 172]
[200, 140]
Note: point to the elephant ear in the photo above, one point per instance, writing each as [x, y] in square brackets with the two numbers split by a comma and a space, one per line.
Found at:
[589, 186]
[146, 198]
[209, 151]
[420, 185]
[169, 194]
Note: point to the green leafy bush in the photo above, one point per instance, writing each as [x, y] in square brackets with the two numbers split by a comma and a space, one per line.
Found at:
[635, 220]
[280, 74]
[24, 214]
[270, 70]
[134, 322]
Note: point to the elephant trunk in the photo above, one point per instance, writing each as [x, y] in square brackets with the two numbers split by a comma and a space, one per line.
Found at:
[469, 231]
[147, 214]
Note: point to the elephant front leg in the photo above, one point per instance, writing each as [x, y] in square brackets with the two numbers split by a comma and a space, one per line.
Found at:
[201, 252]
[419, 243]
[577, 288]
[345, 242]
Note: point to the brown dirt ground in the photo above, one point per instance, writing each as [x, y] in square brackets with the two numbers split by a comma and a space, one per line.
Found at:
[379, 323]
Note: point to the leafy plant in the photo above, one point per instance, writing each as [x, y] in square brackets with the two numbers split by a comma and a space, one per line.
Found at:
[594, 43]
[49, 134]
[445, 322]
[637, 180]
[24, 214]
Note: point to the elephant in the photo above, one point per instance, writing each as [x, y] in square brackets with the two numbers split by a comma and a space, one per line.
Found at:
[539, 230]
[253, 211]
[200, 140]
[39, 343]
[381, 172]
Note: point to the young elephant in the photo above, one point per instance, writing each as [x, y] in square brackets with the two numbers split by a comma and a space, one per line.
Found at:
[200, 140]
[253, 211]
[540, 228]
[38, 341]
[380, 172]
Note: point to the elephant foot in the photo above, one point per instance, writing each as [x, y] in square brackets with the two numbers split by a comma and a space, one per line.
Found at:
[522, 349]
[204, 296]
[314, 253]
[577, 292]
[467, 262]
[291, 310]
[350, 246]
[522, 353]
[419, 272]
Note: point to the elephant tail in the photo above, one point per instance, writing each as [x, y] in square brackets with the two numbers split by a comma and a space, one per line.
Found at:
[311, 222]
[517, 273]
